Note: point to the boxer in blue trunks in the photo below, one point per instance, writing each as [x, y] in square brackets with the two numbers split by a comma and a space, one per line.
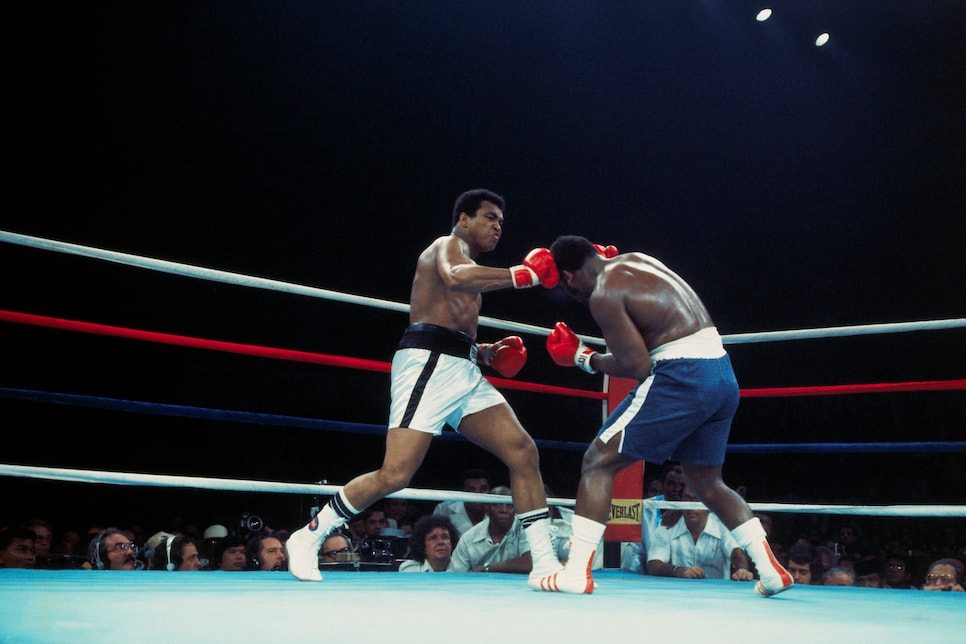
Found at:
[659, 333]
[436, 380]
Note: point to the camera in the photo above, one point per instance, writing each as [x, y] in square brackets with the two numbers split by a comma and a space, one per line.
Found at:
[249, 523]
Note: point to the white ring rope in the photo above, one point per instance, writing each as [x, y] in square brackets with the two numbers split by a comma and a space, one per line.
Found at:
[238, 279]
[418, 494]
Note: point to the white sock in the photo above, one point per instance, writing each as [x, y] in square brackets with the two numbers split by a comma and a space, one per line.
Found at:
[334, 514]
[537, 532]
[750, 535]
[584, 540]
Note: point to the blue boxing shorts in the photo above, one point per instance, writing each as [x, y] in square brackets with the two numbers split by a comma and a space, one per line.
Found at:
[683, 410]
[436, 381]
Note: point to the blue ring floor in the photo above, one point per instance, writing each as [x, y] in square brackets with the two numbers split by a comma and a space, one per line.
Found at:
[77, 606]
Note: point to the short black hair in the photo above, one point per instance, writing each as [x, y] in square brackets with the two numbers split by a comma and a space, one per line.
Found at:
[469, 202]
[20, 532]
[571, 251]
[476, 473]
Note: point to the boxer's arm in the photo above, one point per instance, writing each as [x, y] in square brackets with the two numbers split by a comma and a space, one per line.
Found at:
[628, 356]
[460, 273]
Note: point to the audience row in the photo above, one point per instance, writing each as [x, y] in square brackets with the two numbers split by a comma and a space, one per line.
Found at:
[487, 537]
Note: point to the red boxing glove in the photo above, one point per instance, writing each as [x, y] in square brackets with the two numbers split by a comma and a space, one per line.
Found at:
[607, 251]
[538, 268]
[567, 350]
[507, 356]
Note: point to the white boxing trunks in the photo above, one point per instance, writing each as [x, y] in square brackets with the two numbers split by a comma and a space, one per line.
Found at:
[436, 381]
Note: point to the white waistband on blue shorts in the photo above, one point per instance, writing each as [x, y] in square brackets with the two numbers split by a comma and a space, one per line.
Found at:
[705, 344]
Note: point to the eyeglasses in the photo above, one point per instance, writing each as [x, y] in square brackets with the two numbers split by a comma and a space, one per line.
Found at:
[124, 546]
[894, 566]
[333, 553]
[934, 580]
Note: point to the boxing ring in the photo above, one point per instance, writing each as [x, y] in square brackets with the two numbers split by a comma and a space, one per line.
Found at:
[154, 606]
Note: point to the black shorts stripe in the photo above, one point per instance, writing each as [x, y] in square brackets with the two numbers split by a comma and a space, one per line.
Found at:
[419, 388]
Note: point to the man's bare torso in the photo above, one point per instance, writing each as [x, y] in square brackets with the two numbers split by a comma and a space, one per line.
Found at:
[431, 301]
[660, 304]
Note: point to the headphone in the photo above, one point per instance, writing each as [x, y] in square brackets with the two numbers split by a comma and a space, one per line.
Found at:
[94, 551]
[254, 548]
[168, 543]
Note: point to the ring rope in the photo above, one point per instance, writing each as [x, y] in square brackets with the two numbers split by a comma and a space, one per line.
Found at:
[238, 279]
[252, 418]
[226, 277]
[384, 367]
[263, 352]
[256, 418]
[239, 485]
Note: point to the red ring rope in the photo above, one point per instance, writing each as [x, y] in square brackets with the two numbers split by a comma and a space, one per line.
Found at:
[384, 367]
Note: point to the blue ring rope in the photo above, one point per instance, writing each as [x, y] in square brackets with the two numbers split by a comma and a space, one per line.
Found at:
[254, 418]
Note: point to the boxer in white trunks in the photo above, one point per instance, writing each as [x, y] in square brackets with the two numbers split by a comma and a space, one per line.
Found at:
[436, 380]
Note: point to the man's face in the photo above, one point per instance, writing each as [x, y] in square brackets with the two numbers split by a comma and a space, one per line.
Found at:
[475, 485]
[896, 571]
[841, 579]
[801, 573]
[501, 515]
[19, 554]
[333, 546]
[486, 227]
[872, 580]
[694, 518]
[673, 485]
[375, 522]
[42, 540]
[120, 552]
[233, 559]
[190, 560]
[272, 556]
[397, 508]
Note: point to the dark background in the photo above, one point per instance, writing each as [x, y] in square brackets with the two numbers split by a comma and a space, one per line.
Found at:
[324, 144]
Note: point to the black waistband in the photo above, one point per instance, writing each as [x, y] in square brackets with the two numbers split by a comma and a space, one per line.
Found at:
[437, 338]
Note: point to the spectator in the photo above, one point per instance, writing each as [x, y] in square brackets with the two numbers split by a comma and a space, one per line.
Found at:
[69, 543]
[803, 564]
[466, 514]
[17, 548]
[634, 555]
[945, 575]
[176, 553]
[399, 514]
[697, 546]
[839, 576]
[43, 536]
[265, 551]
[374, 520]
[210, 539]
[868, 573]
[336, 548]
[111, 549]
[431, 545]
[228, 554]
[897, 572]
[495, 544]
